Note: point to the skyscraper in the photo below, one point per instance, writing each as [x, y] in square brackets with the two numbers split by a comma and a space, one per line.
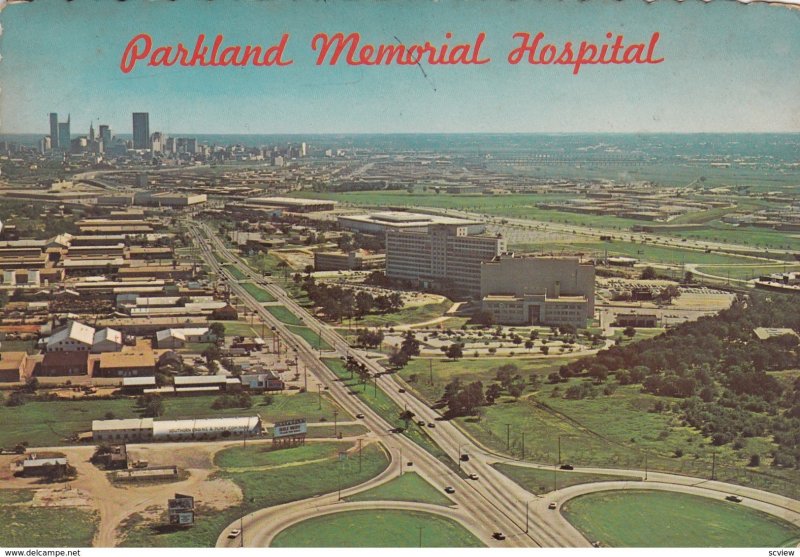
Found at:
[54, 130]
[105, 135]
[64, 135]
[141, 130]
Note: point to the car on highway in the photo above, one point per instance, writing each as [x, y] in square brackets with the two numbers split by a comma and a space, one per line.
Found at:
[401, 390]
[552, 505]
[473, 476]
[421, 423]
[234, 533]
[567, 467]
[499, 536]
[360, 416]
[464, 457]
[733, 499]
[431, 424]
[397, 430]
[449, 489]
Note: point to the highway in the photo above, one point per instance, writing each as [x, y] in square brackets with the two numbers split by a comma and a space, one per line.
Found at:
[493, 502]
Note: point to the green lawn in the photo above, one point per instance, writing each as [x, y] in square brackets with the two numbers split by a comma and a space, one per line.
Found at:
[408, 487]
[311, 337]
[25, 526]
[258, 293]
[539, 481]
[9, 496]
[263, 455]
[377, 528]
[281, 485]
[406, 316]
[236, 328]
[28, 346]
[51, 423]
[285, 315]
[388, 410]
[682, 521]
[746, 272]
[236, 272]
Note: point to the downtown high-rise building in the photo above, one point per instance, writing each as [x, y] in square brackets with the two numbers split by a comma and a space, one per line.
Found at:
[63, 135]
[54, 130]
[104, 131]
[141, 130]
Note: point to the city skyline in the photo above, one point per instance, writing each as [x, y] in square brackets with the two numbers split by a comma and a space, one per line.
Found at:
[709, 81]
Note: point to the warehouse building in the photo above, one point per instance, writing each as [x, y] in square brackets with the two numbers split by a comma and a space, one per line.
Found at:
[147, 429]
[12, 366]
[350, 261]
[177, 338]
[126, 364]
[535, 290]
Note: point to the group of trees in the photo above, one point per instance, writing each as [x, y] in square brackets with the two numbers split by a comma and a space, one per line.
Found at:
[408, 348]
[465, 399]
[338, 302]
[369, 339]
[720, 369]
[151, 406]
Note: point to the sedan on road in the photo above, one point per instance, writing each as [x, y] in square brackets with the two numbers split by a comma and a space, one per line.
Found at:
[449, 489]
[473, 476]
[234, 533]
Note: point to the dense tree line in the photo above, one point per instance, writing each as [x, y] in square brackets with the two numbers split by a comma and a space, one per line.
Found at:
[721, 370]
[338, 302]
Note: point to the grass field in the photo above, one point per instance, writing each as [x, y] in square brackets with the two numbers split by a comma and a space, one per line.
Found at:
[746, 272]
[683, 521]
[262, 455]
[281, 485]
[237, 328]
[311, 337]
[407, 316]
[388, 410]
[236, 272]
[644, 252]
[408, 487]
[50, 423]
[284, 315]
[539, 481]
[26, 526]
[258, 293]
[377, 528]
[419, 370]
[28, 346]
[620, 430]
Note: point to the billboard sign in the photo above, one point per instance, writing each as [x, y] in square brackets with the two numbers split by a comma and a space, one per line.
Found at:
[290, 428]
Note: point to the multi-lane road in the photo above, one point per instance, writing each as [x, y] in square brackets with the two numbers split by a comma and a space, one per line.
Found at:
[492, 503]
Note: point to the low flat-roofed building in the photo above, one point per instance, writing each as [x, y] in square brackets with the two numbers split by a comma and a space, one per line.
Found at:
[41, 466]
[62, 364]
[127, 430]
[125, 364]
[157, 271]
[196, 381]
[646, 320]
[12, 366]
[206, 428]
[350, 261]
[266, 381]
[294, 205]
[136, 385]
[764, 333]
[384, 221]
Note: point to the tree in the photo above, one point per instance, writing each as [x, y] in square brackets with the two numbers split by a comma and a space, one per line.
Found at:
[545, 350]
[483, 318]
[648, 273]
[410, 344]
[455, 351]
[398, 359]
[629, 331]
[211, 353]
[217, 329]
[492, 393]
[517, 387]
[688, 277]
[407, 416]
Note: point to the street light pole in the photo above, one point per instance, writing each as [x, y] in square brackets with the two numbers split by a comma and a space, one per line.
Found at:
[559, 449]
[526, 516]
[335, 423]
[420, 535]
[319, 396]
[508, 437]
[523, 445]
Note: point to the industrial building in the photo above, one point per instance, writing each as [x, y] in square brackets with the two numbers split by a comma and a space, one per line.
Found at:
[177, 338]
[538, 290]
[147, 429]
[444, 256]
[294, 205]
[12, 366]
[384, 221]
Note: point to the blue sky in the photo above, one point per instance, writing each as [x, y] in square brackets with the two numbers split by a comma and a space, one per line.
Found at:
[728, 68]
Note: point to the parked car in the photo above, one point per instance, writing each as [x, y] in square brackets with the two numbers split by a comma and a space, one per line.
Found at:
[567, 467]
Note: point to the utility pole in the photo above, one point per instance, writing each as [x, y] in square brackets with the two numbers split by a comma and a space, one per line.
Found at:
[319, 396]
[555, 478]
[645, 466]
[359, 455]
[523, 447]
[559, 449]
[714, 465]
[526, 516]
[335, 423]
[508, 437]
[241, 528]
[420, 535]
[430, 370]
